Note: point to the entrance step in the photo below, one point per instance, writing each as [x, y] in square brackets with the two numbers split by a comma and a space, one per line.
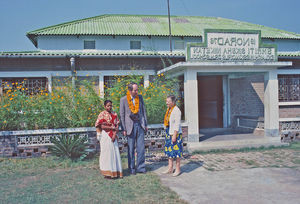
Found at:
[234, 144]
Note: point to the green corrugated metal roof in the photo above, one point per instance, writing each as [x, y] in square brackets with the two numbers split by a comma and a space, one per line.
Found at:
[111, 53]
[289, 54]
[153, 25]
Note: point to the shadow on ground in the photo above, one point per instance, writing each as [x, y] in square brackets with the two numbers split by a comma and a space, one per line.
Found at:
[187, 166]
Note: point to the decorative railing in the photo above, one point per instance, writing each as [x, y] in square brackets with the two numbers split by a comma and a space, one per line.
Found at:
[290, 125]
[290, 129]
[36, 142]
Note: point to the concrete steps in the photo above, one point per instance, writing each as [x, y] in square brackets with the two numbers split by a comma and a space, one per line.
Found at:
[239, 143]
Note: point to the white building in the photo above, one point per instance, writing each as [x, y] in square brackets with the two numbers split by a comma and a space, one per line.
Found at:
[238, 74]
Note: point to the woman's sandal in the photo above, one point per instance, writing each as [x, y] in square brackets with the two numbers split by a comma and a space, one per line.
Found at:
[167, 171]
[176, 173]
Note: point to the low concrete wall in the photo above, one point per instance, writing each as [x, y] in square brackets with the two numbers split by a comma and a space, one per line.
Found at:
[35, 143]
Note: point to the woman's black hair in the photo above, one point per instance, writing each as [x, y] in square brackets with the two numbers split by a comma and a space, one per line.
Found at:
[107, 101]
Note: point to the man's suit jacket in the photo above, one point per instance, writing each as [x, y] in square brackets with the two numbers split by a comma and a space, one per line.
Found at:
[127, 122]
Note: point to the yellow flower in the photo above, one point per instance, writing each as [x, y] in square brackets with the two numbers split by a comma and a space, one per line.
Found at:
[4, 121]
[11, 99]
[170, 149]
[50, 102]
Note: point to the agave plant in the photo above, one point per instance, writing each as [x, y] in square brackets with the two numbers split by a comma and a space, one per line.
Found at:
[67, 146]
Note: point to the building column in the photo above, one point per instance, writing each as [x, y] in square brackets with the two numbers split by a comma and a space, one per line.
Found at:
[101, 86]
[73, 71]
[271, 115]
[191, 104]
[226, 96]
[1, 88]
[49, 83]
[146, 80]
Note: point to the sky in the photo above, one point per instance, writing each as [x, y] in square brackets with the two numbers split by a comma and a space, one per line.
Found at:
[20, 16]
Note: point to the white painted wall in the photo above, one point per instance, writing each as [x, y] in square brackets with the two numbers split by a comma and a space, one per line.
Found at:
[109, 42]
[148, 44]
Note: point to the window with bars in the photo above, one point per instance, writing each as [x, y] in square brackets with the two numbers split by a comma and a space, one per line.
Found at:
[135, 45]
[179, 45]
[289, 87]
[30, 86]
[109, 81]
[89, 44]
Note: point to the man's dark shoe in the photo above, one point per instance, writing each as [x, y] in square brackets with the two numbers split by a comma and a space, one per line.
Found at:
[141, 172]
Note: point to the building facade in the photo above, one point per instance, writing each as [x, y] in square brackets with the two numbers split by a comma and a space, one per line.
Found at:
[234, 74]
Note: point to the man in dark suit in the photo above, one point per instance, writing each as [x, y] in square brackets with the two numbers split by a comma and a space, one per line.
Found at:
[134, 122]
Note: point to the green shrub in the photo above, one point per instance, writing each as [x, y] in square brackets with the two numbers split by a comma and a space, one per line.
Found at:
[72, 147]
[154, 95]
[62, 108]
[69, 107]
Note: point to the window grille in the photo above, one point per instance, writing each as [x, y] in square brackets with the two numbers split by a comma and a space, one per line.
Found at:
[289, 88]
[135, 45]
[89, 44]
[179, 45]
[30, 86]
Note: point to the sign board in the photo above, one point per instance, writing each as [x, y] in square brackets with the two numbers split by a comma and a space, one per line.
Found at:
[231, 45]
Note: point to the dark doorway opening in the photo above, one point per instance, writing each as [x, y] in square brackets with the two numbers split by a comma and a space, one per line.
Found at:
[210, 100]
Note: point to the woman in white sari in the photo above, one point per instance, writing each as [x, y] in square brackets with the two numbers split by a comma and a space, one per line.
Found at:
[107, 126]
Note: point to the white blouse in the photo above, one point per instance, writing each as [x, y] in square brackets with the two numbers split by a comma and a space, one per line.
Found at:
[175, 121]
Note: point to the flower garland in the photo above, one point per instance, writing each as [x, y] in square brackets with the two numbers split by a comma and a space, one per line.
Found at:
[134, 108]
[167, 116]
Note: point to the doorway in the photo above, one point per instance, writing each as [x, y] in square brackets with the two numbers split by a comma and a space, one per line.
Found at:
[210, 101]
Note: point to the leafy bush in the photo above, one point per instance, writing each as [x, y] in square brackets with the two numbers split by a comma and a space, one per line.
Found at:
[63, 107]
[154, 95]
[72, 147]
[67, 107]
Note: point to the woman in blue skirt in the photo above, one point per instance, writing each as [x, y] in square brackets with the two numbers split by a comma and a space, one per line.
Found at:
[173, 139]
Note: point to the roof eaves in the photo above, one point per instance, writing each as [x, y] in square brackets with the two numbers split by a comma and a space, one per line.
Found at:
[32, 38]
[87, 54]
